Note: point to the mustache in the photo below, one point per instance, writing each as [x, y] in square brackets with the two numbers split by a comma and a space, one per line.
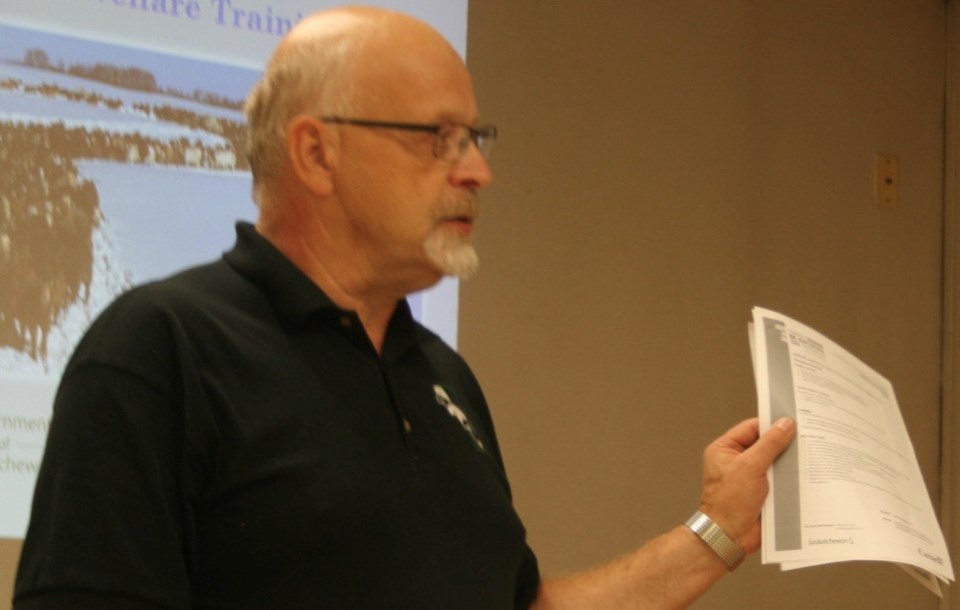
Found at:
[464, 205]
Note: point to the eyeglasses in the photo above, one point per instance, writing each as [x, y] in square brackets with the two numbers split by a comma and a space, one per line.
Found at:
[450, 140]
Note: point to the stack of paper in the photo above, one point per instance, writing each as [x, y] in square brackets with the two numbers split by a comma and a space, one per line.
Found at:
[849, 487]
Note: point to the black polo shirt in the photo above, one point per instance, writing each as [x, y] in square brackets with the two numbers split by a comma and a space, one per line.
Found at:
[228, 438]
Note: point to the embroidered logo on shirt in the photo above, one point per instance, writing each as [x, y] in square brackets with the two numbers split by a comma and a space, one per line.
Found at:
[456, 413]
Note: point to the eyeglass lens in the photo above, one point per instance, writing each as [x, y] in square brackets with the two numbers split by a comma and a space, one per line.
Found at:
[454, 143]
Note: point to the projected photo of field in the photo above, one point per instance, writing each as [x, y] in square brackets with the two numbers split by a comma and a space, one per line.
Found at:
[117, 166]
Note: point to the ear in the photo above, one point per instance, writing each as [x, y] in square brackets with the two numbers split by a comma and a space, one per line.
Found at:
[310, 149]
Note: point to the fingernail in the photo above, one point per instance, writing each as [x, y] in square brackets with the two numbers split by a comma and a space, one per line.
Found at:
[786, 424]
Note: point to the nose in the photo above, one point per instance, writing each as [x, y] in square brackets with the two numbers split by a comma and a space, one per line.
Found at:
[472, 170]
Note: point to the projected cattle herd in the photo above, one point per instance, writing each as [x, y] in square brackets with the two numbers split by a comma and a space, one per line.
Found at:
[54, 116]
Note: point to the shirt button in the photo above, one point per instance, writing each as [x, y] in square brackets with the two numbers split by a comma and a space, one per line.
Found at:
[407, 427]
[346, 321]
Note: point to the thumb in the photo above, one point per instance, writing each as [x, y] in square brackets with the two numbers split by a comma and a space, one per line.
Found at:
[772, 442]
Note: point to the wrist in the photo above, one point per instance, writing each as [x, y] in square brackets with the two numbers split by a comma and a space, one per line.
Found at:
[717, 540]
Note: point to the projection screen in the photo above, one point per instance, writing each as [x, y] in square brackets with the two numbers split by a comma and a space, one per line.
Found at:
[120, 162]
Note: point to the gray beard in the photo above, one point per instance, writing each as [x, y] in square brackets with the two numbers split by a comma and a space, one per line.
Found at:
[453, 254]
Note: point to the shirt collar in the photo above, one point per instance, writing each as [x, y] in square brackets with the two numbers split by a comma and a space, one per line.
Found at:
[296, 297]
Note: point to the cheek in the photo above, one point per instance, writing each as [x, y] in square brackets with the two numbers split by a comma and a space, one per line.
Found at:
[397, 196]
[399, 212]
[413, 202]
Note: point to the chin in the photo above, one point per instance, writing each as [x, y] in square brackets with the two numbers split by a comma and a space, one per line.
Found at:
[458, 260]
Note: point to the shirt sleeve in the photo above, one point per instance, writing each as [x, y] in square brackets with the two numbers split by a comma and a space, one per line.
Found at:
[528, 581]
[109, 526]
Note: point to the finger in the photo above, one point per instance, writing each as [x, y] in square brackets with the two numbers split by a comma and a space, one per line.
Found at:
[774, 441]
[743, 434]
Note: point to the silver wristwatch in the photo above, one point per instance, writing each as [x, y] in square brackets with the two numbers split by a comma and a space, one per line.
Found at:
[715, 538]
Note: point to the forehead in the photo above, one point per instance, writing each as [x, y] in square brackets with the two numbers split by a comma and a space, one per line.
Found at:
[415, 78]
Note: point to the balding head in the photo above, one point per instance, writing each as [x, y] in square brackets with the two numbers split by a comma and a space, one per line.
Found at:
[330, 65]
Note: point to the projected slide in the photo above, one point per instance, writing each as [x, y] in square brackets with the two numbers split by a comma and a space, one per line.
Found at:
[119, 177]
[119, 164]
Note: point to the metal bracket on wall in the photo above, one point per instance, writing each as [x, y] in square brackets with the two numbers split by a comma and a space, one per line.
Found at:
[888, 181]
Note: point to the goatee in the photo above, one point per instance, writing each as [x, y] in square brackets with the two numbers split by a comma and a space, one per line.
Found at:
[452, 251]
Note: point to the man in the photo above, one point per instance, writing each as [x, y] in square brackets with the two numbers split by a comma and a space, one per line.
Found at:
[273, 430]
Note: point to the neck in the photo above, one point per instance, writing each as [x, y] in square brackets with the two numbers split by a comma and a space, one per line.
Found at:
[341, 278]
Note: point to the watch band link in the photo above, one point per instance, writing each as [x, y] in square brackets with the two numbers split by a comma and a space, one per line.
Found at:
[729, 551]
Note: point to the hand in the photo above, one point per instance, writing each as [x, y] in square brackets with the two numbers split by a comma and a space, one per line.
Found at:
[735, 477]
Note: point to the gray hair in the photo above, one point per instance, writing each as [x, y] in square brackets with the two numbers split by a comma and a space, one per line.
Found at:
[308, 77]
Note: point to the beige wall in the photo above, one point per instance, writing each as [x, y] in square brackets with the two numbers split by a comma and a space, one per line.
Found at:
[664, 166]
[9, 554]
[951, 361]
